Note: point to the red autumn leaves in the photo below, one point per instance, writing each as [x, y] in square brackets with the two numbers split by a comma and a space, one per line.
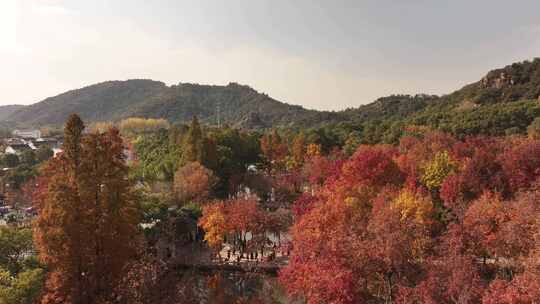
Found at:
[434, 220]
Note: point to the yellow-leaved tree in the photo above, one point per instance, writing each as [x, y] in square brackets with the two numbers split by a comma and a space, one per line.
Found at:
[214, 224]
[437, 170]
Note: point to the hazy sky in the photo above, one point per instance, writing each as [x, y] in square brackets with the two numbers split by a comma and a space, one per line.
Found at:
[327, 54]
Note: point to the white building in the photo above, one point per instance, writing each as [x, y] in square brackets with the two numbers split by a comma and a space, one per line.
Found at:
[18, 149]
[27, 133]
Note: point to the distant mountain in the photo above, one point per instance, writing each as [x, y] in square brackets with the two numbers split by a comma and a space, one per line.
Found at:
[7, 111]
[515, 82]
[233, 104]
[504, 102]
[241, 106]
[100, 102]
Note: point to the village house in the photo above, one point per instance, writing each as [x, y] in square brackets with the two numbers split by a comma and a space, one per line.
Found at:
[18, 147]
[27, 133]
[26, 142]
[46, 141]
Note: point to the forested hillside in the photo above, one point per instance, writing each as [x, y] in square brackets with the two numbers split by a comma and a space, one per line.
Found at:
[7, 111]
[114, 100]
[505, 101]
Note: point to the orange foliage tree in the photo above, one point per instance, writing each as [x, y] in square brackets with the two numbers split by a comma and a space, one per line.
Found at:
[214, 223]
[87, 225]
[193, 182]
[274, 150]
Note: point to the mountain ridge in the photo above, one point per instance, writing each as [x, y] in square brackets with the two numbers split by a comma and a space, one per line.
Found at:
[242, 106]
[115, 100]
[7, 110]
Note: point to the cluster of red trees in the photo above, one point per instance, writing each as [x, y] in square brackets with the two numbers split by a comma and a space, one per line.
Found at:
[231, 222]
[433, 220]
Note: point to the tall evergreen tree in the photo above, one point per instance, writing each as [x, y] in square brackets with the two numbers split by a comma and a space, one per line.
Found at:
[194, 143]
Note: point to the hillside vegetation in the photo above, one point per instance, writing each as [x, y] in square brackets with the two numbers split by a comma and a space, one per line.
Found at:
[8, 110]
[115, 100]
[502, 102]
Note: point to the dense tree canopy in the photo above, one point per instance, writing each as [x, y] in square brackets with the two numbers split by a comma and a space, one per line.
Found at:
[378, 232]
[21, 277]
[193, 182]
